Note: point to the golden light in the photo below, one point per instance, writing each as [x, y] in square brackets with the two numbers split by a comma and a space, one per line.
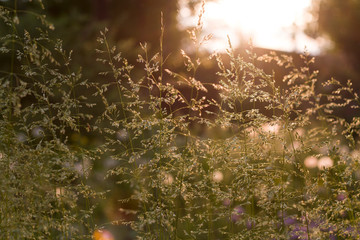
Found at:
[271, 24]
[103, 235]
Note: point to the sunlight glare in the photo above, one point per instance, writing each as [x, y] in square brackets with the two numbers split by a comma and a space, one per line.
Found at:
[274, 24]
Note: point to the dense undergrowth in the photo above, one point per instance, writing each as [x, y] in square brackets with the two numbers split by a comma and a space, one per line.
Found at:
[257, 160]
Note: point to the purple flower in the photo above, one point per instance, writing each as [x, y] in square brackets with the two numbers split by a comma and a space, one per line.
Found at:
[240, 210]
[235, 217]
[250, 224]
[237, 212]
[226, 202]
[341, 197]
[298, 232]
[289, 221]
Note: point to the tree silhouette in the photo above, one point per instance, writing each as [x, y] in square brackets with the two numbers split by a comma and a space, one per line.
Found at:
[339, 21]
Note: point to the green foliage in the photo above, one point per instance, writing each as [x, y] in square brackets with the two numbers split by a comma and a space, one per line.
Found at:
[40, 186]
[257, 160]
[270, 162]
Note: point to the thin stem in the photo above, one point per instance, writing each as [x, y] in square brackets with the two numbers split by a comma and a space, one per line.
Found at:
[307, 226]
[210, 220]
[122, 103]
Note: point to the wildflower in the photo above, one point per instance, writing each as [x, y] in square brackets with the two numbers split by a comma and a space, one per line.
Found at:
[325, 162]
[168, 179]
[218, 176]
[237, 213]
[290, 221]
[59, 192]
[296, 145]
[226, 202]
[37, 132]
[21, 137]
[300, 132]
[311, 162]
[122, 135]
[251, 132]
[341, 196]
[271, 128]
[250, 224]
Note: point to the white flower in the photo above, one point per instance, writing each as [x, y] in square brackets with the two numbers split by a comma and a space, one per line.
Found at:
[325, 162]
[271, 128]
[355, 154]
[122, 135]
[251, 132]
[168, 179]
[217, 176]
[311, 162]
[37, 132]
[296, 145]
[21, 137]
[59, 192]
[300, 132]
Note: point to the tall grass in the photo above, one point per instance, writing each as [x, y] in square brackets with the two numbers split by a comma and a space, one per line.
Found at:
[257, 160]
[43, 179]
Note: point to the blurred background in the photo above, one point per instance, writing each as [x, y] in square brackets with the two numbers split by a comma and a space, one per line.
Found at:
[328, 29]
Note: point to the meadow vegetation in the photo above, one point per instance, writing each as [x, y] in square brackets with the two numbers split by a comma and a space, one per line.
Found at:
[255, 160]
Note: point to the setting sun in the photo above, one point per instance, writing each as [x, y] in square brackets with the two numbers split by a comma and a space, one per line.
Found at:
[271, 24]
